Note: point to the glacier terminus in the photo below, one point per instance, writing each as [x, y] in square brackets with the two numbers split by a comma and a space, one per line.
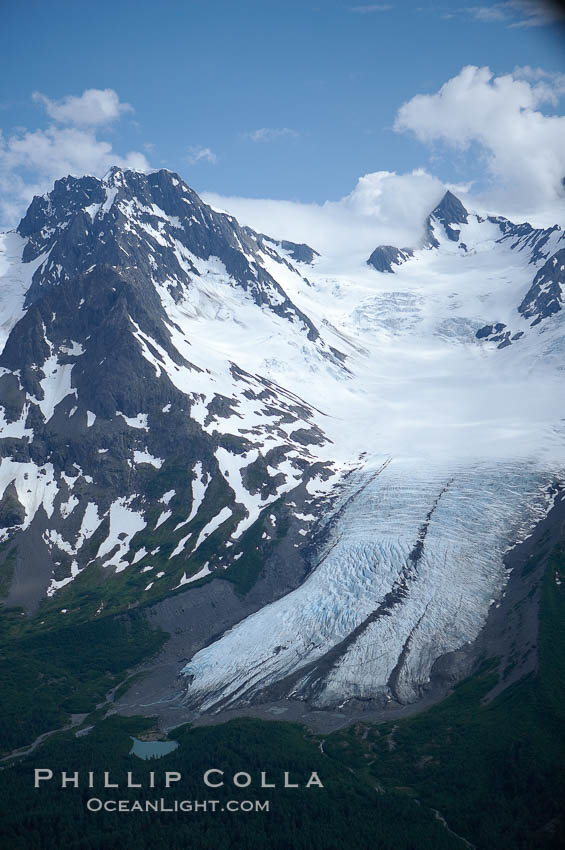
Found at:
[322, 464]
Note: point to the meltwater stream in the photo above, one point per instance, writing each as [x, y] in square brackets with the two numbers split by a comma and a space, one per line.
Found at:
[414, 561]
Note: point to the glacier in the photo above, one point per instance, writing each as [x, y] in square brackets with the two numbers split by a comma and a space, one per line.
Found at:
[169, 379]
[459, 445]
[437, 599]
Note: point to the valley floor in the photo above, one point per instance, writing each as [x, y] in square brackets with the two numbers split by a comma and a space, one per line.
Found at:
[481, 769]
[510, 635]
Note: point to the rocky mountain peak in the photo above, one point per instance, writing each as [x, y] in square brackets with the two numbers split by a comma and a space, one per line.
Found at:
[155, 229]
[449, 214]
[450, 210]
[113, 401]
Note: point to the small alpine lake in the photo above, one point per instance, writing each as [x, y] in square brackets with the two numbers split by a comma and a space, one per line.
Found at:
[152, 749]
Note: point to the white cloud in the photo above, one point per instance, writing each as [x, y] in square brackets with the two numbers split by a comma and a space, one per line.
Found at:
[31, 160]
[523, 147]
[519, 13]
[197, 154]
[383, 208]
[550, 85]
[368, 10]
[488, 14]
[269, 134]
[93, 108]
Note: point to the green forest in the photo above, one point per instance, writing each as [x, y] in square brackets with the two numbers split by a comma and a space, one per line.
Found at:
[464, 773]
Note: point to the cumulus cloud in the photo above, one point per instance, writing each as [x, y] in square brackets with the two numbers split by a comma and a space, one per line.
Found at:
[383, 208]
[522, 147]
[197, 154]
[31, 160]
[550, 85]
[94, 107]
[269, 134]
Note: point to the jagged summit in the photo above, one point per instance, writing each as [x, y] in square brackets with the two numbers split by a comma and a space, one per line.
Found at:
[449, 213]
[450, 210]
[154, 228]
[108, 390]
[546, 293]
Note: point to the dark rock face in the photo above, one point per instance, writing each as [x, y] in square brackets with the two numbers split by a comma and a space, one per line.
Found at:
[138, 220]
[500, 334]
[449, 212]
[300, 252]
[497, 333]
[524, 237]
[488, 330]
[12, 512]
[545, 296]
[107, 435]
[385, 256]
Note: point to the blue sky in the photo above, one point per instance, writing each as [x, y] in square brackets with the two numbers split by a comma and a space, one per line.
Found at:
[289, 100]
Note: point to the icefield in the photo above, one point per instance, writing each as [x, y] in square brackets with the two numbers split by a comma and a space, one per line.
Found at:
[459, 444]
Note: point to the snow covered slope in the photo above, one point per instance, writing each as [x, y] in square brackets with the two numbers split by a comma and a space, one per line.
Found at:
[138, 425]
[181, 395]
[462, 434]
